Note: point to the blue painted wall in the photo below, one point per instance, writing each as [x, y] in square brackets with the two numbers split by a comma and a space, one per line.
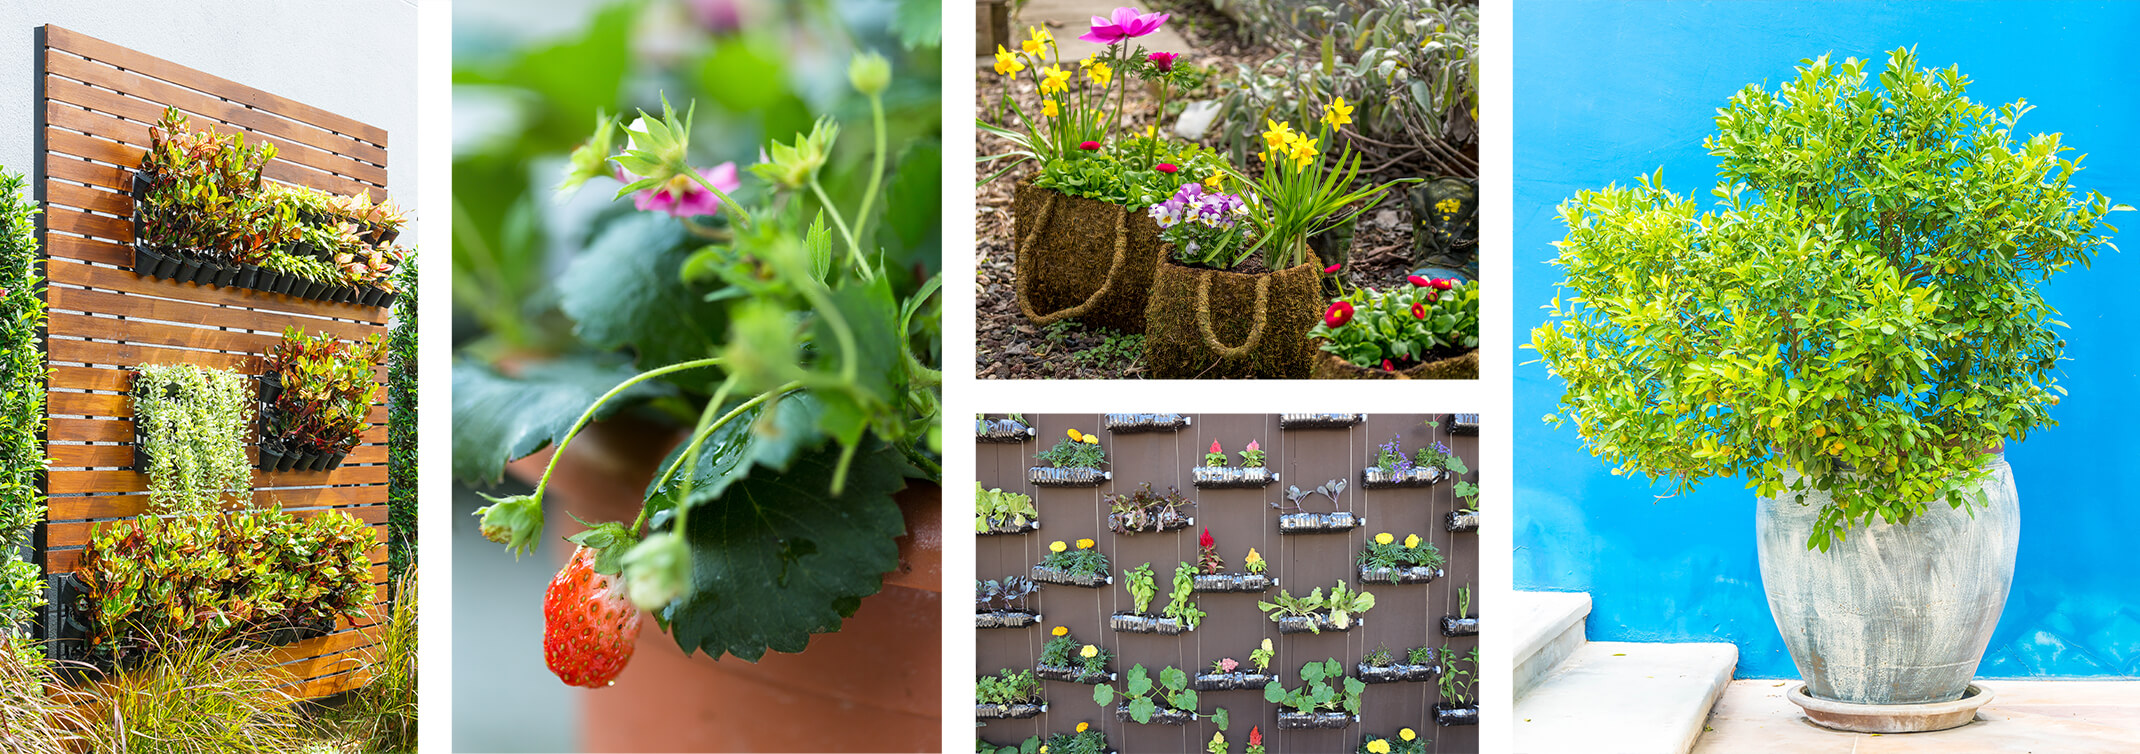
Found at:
[1608, 91]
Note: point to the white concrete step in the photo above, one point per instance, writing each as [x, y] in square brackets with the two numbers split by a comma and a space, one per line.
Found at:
[1549, 627]
[1614, 697]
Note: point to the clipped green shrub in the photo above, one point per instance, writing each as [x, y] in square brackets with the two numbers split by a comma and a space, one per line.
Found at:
[22, 401]
[401, 373]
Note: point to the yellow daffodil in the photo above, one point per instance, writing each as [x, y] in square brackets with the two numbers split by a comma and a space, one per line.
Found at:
[1379, 746]
[1215, 181]
[1276, 134]
[1411, 542]
[1337, 113]
[1089, 652]
[1048, 108]
[1407, 734]
[1058, 546]
[1384, 538]
[1038, 42]
[1082, 727]
[1085, 544]
[1086, 63]
[1100, 73]
[1007, 62]
[1062, 630]
[1303, 151]
[1054, 79]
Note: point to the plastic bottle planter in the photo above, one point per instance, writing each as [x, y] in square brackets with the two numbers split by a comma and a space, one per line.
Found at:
[1005, 619]
[1309, 720]
[1163, 715]
[1123, 424]
[1232, 582]
[1138, 524]
[1399, 575]
[1299, 624]
[1031, 524]
[277, 453]
[1132, 623]
[1008, 711]
[1398, 673]
[1234, 681]
[1417, 476]
[1048, 575]
[1232, 477]
[1073, 675]
[1001, 430]
[1454, 626]
[1463, 424]
[1319, 523]
[1447, 715]
[1319, 421]
[1462, 522]
[1070, 476]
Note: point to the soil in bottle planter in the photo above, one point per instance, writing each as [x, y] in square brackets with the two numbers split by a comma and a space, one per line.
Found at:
[1446, 715]
[1319, 523]
[1454, 626]
[1318, 421]
[1132, 623]
[1462, 522]
[1463, 424]
[1301, 624]
[1132, 423]
[1400, 575]
[1231, 582]
[1072, 476]
[1312, 720]
[1231, 477]
[1398, 673]
[1031, 524]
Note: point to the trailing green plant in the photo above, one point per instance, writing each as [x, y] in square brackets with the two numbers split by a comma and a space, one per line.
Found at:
[1316, 692]
[208, 576]
[1393, 330]
[1180, 602]
[1085, 560]
[196, 697]
[1139, 583]
[994, 508]
[1384, 551]
[1062, 651]
[1008, 686]
[23, 372]
[1076, 450]
[1145, 698]
[192, 422]
[1459, 676]
[327, 389]
[1862, 314]
[401, 392]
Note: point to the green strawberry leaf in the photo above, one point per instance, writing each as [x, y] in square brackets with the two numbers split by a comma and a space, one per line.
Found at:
[778, 557]
[869, 313]
[627, 289]
[770, 435]
[919, 23]
[498, 418]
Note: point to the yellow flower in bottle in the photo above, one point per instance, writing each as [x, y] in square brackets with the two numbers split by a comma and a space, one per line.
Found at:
[1089, 652]
[1007, 62]
[1074, 435]
[1058, 546]
[1054, 79]
[1411, 542]
[1337, 113]
[1407, 734]
[1100, 73]
[1049, 108]
[1092, 439]
[1253, 556]
[1038, 42]
[1082, 727]
[1062, 631]
[1085, 544]
[1384, 538]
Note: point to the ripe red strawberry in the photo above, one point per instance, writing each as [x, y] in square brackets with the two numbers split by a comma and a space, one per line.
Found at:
[589, 626]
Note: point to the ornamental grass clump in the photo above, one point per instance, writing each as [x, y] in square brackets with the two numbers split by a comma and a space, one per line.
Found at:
[1862, 311]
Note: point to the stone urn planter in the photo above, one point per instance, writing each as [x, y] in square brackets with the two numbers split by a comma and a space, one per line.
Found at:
[1892, 615]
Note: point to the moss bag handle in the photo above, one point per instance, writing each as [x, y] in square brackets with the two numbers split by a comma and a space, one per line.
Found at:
[1203, 317]
[1025, 268]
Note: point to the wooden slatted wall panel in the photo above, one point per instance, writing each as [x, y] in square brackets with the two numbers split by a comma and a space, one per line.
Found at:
[99, 99]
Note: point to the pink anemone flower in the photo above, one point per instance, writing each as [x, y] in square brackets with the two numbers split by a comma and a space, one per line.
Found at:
[1125, 24]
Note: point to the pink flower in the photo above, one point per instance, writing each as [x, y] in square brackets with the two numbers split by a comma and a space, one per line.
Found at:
[1164, 61]
[1444, 283]
[1090, 146]
[1418, 281]
[1126, 23]
[1386, 366]
[1215, 446]
[717, 16]
[1340, 312]
[1229, 664]
[1165, 167]
[1419, 311]
[1252, 446]
[683, 197]
[1332, 269]
[1206, 541]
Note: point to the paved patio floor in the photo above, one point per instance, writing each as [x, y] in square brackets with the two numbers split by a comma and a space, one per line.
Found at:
[2043, 717]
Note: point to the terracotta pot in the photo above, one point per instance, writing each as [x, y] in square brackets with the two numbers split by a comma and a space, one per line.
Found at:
[874, 685]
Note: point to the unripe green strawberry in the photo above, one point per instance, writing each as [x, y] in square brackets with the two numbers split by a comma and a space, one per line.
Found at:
[589, 626]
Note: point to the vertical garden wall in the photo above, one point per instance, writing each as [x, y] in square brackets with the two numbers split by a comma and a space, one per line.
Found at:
[97, 102]
[1240, 517]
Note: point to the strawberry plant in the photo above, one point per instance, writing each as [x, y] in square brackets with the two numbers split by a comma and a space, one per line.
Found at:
[22, 401]
[1179, 604]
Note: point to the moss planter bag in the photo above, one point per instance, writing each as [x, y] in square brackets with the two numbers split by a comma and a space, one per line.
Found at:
[1081, 259]
[1209, 323]
[1461, 367]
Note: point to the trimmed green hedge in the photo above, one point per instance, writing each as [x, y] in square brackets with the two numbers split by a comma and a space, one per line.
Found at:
[401, 426]
[22, 402]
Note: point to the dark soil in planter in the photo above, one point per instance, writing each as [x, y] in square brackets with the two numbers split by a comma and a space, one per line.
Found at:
[1150, 526]
[1319, 523]
[1318, 421]
[1134, 423]
[1454, 626]
[1448, 365]
[1298, 624]
[1001, 430]
[1462, 522]
[1234, 681]
[1054, 576]
[1031, 524]
[1446, 716]
[1162, 716]
[1232, 477]
[1311, 720]
[1398, 673]
[1073, 675]
[1072, 476]
[1008, 711]
[1418, 476]
[1232, 582]
[1080, 259]
[1132, 623]
[1005, 619]
[1207, 324]
[1399, 575]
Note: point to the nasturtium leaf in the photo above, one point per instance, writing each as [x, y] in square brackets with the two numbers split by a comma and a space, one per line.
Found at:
[498, 418]
[770, 435]
[778, 557]
[626, 290]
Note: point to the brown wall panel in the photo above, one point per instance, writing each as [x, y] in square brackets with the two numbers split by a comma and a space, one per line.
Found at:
[1404, 616]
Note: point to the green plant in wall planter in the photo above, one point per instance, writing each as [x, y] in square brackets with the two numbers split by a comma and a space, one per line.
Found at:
[1462, 623]
[1180, 614]
[1324, 699]
[1008, 695]
[189, 433]
[1170, 701]
[1002, 604]
[1226, 674]
[1294, 518]
[1384, 666]
[999, 512]
[1342, 609]
[1083, 565]
[1216, 474]
[1407, 741]
[1465, 519]
[1074, 462]
[1856, 329]
[1142, 510]
[1386, 560]
[22, 403]
[319, 392]
[1064, 658]
[1459, 703]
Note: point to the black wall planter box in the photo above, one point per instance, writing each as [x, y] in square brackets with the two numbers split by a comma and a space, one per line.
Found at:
[1399, 673]
[1462, 522]
[1130, 423]
[1132, 623]
[1054, 576]
[1446, 716]
[1377, 479]
[1234, 681]
[1163, 715]
[1232, 477]
[1008, 711]
[1399, 575]
[1319, 421]
[1001, 430]
[1073, 675]
[1319, 523]
[1232, 582]
[1005, 619]
[1305, 721]
[1073, 476]
[1454, 626]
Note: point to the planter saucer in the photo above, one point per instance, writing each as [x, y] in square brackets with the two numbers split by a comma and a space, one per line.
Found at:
[1891, 718]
